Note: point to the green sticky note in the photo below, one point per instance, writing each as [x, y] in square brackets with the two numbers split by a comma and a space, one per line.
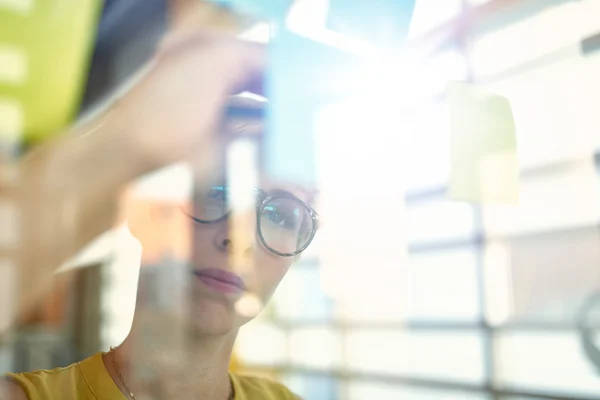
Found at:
[483, 146]
[45, 50]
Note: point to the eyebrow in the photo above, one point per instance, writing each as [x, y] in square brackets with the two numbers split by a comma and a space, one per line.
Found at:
[273, 192]
[281, 192]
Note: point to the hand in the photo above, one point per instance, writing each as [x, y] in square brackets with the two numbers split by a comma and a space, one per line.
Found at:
[172, 111]
[68, 188]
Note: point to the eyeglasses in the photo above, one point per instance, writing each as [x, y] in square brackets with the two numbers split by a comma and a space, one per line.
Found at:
[285, 224]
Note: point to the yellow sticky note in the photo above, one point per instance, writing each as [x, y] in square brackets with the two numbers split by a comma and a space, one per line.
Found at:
[483, 146]
[45, 50]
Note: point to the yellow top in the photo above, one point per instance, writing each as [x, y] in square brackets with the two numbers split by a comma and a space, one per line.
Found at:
[89, 380]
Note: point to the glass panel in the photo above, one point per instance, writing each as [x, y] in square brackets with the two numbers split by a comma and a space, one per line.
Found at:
[545, 31]
[567, 198]
[312, 386]
[550, 275]
[429, 14]
[375, 291]
[548, 362]
[449, 64]
[477, 2]
[587, 94]
[443, 286]
[363, 390]
[587, 18]
[498, 285]
[428, 165]
[314, 250]
[423, 354]
[550, 109]
[120, 288]
[438, 221]
[6, 358]
[386, 301]
[306, 16]
[261, 343]
[300, 296]
[422, 79]
[316, 348]
[517, 398]
[535, 398]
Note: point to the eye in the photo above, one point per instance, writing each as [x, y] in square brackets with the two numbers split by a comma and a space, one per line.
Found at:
[210, 204]
[288, 219]
[216, 193]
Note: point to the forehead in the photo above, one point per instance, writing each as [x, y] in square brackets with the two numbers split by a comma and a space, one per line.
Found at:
[248, 121]
[245, 119]
[304, 193]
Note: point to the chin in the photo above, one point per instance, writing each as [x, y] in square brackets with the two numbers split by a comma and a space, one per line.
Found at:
[215, 318]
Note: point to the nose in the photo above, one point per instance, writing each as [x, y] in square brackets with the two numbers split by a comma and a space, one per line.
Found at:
[223, 244]
[223, 238]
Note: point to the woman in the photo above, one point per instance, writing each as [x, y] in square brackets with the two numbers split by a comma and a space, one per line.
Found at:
[170, 115]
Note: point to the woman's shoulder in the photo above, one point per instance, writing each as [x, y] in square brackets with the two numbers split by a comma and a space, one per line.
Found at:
[39, 384]
[11, 390]
[33, 384]
[69, 382]
[250, 387]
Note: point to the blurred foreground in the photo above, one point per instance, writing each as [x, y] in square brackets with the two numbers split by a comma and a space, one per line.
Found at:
[404, 293]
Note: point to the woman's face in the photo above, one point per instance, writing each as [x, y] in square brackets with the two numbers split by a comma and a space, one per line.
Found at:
[217, 285]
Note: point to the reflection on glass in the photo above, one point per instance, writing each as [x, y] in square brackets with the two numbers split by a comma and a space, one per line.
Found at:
[549, 362]
[429, 166]
[450, 356]
[317, 348]
[364, 389]
[261, 343]
[313, 386]
[546, 205]
[429, 14]
[300, 297]
[550, 275]
[525, 39]
[551, 107]
[439, 221]
[443, 286]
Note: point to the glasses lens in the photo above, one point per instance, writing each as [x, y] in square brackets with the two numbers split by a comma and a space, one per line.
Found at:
[210, 204]
[286, 225]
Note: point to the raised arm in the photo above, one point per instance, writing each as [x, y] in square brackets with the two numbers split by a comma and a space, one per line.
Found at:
[68, 190]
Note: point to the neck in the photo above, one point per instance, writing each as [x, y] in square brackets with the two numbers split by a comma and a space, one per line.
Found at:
[178, 365]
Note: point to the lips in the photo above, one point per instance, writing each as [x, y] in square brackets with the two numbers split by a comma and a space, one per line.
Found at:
[220, 280]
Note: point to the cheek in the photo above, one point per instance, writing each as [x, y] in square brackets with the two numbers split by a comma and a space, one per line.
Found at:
[270, 270]
[201, 240]
[283, 242]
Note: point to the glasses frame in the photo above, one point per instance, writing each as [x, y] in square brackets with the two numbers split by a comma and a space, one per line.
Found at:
[265, 199]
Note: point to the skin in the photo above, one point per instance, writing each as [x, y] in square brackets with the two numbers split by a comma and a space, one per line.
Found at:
[72, 187]
[214, 314]
[201, 334]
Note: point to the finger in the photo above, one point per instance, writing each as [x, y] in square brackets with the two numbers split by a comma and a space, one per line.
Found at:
[188, 15]
[205, 35]
[251, 67]
[243, 62]
[176, 39]
[252, 80]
